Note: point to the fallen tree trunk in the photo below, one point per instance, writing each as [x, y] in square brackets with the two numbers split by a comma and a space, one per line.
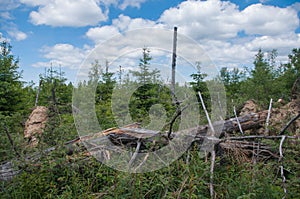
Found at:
[123, 136]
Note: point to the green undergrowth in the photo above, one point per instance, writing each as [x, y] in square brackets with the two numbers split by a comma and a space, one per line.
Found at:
[58, 175]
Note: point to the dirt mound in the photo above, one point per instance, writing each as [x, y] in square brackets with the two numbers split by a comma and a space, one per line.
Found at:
[36, 124]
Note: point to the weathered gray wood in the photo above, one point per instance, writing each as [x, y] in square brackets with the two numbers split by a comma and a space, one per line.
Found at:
[7, 171]
[174, 62]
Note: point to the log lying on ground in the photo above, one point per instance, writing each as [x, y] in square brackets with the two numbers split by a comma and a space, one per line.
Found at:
[128, 135]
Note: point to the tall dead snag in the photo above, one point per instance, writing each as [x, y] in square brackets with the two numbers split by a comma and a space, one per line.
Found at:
[174, 63]
[174, 99]
[38, 93]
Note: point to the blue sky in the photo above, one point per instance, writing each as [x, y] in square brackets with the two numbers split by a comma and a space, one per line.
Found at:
[63, 32]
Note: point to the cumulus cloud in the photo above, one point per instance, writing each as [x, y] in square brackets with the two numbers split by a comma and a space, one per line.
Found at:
[100, 34]
[5, 15]
[6, 19]
[12, 30]
[65, 55]
[288, 41]
[66, 12]
[216, 26]
[9, 4]
[216, 19]
[268, 20]
[34, 2]
[204, 19]
[17, 34]
[125, 23]
[120, 25]
[2, 38]
[131, 3]
[74, 13]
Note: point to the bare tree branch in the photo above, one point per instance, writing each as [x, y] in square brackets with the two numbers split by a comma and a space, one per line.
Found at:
[213, 152]
[237, 119]
[289, 123]
[268, 117]
[281, 166]
[11, 140]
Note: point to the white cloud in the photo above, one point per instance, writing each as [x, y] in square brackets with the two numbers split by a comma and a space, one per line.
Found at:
[8, 4]
[268, 42]
[66, 12]
[214, 24]
[12, 31]
[6, 19]
[125, 23]
[100, 34]
[74, 13]
[204, 19]
[2, 38]
[215, 19]
[120, 25]
[295, 6]
[131, 3]
[269, 20]
[18, 35]
[65, 55]
[5, 15]
[34, 2]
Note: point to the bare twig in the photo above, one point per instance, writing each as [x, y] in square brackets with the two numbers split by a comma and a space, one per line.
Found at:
[177, 114]
[237, 119]
[143, 162]
[206, 113]
[182, 186]
[213, 153]
[187, 157]
[11, 140]
[259, 136]
[135, 153]
[212, 166]
[220, 107]
[255, 154]
[280, 147]
[281, 166]
[268, 117]
[289, 123]
[38, 93]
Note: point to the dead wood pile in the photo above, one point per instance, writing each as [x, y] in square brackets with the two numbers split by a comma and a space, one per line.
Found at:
[227, 139]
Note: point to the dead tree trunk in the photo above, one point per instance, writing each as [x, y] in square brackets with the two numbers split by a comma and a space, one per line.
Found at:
[174, 62]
